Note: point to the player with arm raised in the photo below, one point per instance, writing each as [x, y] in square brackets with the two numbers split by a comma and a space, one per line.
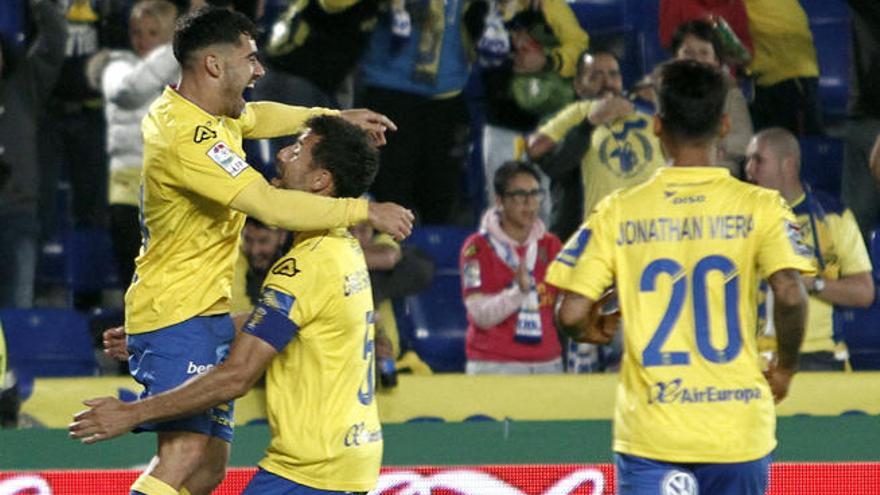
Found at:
[312, 329]
[685, 252]
[196, 190]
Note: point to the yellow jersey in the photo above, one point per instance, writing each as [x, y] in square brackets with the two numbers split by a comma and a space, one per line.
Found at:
[831, 232]
[685, 251]
[783, 41]
[194, 166]
[621, 154]
[320, 387]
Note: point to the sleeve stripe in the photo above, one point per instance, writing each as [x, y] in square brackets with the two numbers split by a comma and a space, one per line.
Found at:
[271, 325]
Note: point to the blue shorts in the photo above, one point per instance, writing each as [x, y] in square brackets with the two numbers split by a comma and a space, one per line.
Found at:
[165, 358]
[640, 476]
[266, 483]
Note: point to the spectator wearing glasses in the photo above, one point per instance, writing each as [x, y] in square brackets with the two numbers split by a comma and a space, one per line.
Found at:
[510, 309]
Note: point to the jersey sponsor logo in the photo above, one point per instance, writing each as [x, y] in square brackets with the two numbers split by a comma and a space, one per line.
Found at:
[675, 392]
[678, 483]
[684, 200]
[197, 369]
[356, 282]
[286, 267]
[471, 274]
[359, 435]
[795, 237]
[223, 155]
[203, 134]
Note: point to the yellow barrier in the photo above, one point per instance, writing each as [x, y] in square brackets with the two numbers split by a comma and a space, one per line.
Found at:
[454, 397]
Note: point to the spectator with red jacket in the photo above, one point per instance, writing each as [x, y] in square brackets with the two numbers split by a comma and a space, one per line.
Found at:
[509, 308]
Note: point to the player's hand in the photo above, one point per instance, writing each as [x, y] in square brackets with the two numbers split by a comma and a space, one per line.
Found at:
[108, 418]
[779, 380]
[373, 122]
[605, 321]
[391, 218]
[114, 343]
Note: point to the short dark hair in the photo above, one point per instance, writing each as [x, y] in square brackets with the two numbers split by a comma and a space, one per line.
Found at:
[700, 29]
[347, 152]
[209, 26]
[510, 170]
[690, 99]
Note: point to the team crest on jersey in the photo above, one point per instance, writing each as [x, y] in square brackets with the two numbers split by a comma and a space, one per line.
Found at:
[203, 134]
[678, 483]
[223, 155]
[793, 232]
[471, 274]
[286, 267]
[626, 152]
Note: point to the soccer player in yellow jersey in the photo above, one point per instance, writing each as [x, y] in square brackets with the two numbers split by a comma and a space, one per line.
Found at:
[685, 251]
[312, 330]
[196, 190]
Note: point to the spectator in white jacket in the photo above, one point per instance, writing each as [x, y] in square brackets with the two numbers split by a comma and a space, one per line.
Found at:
[130, 82]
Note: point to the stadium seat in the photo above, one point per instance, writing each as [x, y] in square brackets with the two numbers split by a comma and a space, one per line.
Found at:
[600, 17]
[12, 21]
[645, 51]
[438, 324]
[626, 27]
[47, 342]
[830, 24]
[82, 261]
[442, 243]
[822, 163]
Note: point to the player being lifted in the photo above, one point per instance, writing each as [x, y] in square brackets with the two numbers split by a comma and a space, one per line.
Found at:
[196, 190]
[685, 251]
[313, 330]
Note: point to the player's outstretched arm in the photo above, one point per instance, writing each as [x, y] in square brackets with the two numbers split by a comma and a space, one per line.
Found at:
[789, 317]
[579, 317]
[300, 211]
[373, 122]
[108, 417]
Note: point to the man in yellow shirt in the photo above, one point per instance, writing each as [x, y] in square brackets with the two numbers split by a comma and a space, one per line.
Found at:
[622, 149]
[830, 230]
[684, 251]
[312, 329]
[196, 190]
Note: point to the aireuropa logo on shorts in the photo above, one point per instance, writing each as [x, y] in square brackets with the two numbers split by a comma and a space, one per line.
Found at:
[197, 369]
[675, 392]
